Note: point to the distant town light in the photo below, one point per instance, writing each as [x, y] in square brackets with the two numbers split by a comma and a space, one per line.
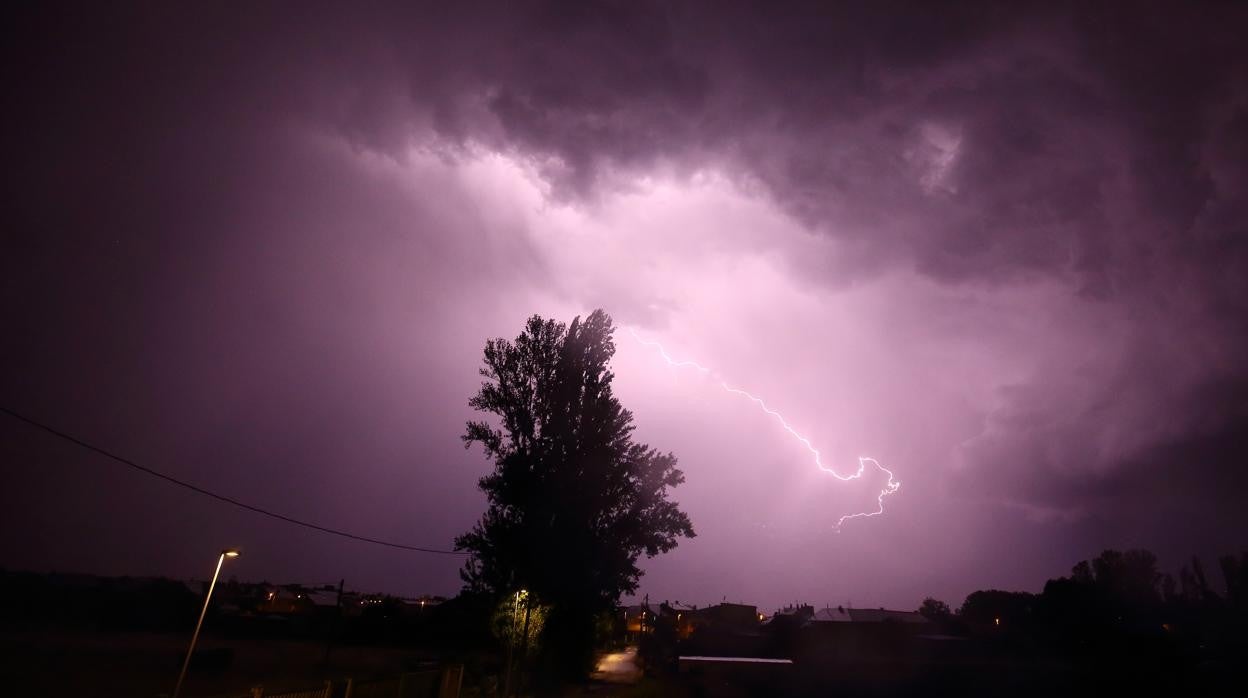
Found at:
[997, 621]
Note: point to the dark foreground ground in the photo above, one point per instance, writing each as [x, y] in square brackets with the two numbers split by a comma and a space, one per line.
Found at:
[91, 663]
[85, 664]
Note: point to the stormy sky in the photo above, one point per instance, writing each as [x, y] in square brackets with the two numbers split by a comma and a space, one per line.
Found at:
[1001, 249]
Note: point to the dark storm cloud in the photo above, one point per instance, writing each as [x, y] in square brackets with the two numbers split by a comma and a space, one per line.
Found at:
[205, 214]
[1072, 125]
[200, 275]
[1098, 146]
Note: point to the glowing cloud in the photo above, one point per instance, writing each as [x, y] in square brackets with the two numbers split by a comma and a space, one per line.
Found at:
[890, 487]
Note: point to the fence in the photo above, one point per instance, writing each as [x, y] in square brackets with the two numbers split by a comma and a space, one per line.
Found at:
[433, 683]
[325, 692]
[383, 688]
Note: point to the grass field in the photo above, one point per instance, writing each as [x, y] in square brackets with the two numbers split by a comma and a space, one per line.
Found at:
[87, 664]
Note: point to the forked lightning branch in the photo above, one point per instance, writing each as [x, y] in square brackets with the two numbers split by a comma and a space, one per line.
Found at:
[889, 487]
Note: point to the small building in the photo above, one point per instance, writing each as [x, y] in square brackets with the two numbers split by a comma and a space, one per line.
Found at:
[840, 614]
[723, 630]
[639, 619]
[861, 634]
[286, 600]
[682, 616]
[736, 617]
[417, 607]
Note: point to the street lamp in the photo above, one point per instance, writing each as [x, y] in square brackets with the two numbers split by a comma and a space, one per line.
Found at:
[228, 552]
[511, 638]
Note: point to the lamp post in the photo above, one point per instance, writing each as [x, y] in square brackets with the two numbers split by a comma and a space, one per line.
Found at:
[511, 643]
[524, 641]
[220, 560]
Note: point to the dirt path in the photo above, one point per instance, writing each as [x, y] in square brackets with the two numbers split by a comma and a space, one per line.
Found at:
[618, 667]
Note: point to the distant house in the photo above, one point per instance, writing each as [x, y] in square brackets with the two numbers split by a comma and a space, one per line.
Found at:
[416, 608]
[232, 598]
[291, 600]
[639, 619]
[682, 616]
[734, 617]
[726, 629]
[840, 614]
[861, 634]
[796, 615]
[322, 598]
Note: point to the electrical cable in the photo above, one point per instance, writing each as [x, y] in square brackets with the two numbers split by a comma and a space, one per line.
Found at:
[220, 497]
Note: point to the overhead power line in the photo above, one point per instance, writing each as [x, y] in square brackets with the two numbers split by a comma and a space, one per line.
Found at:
[220, 497]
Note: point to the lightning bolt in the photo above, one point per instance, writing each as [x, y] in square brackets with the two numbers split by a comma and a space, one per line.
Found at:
[890, 487]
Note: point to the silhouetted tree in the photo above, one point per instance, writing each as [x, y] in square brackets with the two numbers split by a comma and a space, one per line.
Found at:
[1169, 588]
[1081, 573]
[1194, 585]
[573, 501]
[1068, 610]
[935, 609]
[1115, 597]
[1235, 573]
[1131, 577]
[1008, 610]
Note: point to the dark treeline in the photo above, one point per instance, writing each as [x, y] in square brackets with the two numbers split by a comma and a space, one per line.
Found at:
[31, 600]
[1115, 625]
[1116, 607]
[35, 601]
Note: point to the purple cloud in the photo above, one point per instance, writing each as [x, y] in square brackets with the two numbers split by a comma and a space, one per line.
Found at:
[1000, 250]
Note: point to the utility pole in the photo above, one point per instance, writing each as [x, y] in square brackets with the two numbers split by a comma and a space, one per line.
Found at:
[333, 622]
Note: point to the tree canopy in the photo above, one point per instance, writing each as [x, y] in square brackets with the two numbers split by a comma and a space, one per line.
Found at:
[573, 502]
[935, 609]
